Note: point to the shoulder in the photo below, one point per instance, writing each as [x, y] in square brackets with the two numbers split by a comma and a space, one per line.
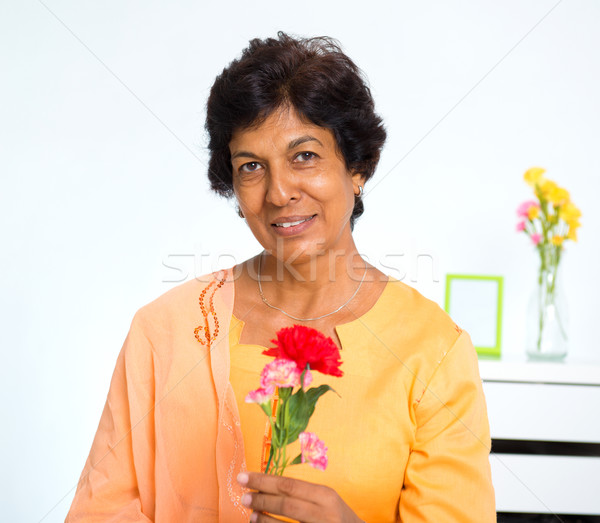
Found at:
[182, 305]
[417, 316]
[414, 331]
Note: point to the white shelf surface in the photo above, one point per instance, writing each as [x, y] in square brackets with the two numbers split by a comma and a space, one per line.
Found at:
[521, 370]
[543, 412]
[546, 484]
[544, 401]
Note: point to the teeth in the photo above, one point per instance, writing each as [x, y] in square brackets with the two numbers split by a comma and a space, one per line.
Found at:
[291, 224]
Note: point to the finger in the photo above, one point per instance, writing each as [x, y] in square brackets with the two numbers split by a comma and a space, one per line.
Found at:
[288, 487]
[278, 505]
[259, 517]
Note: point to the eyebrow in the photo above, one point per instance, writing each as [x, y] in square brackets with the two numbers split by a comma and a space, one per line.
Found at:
[303, 139]
[292, 145]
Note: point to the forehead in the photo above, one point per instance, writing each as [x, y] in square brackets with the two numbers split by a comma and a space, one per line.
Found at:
[279, 129]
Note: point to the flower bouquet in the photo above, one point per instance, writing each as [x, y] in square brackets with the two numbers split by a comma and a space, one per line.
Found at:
[287, 401]
[550, 220]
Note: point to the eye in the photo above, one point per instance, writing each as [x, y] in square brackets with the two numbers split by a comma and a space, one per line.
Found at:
[305, 156]
[249, 167]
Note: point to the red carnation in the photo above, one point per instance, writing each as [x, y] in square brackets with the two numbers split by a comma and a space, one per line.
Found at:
[307, 346]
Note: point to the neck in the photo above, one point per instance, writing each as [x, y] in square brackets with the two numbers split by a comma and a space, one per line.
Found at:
[333, 267]
[312, 286]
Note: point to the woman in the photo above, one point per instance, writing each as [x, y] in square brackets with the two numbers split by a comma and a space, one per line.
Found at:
[294, 138]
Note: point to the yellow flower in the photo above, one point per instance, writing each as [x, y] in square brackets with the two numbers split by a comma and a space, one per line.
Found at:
[569, 212]
[559, 196]
[534, 175]
[533, 212]
[547, 189]
[553, 209]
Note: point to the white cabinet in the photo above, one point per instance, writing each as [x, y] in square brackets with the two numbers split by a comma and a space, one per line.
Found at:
[545, 425]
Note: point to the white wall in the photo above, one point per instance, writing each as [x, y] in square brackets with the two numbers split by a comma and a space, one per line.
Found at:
[103, 177]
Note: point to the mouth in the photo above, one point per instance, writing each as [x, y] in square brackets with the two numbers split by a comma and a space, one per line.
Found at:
[292, 225]
[292, 221]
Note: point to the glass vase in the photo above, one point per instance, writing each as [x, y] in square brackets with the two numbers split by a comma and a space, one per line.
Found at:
[547, 317]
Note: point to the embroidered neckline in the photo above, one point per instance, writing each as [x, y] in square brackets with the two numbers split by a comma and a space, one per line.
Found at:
[207, 307]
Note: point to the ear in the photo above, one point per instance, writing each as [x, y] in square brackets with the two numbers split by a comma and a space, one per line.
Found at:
[358, 180]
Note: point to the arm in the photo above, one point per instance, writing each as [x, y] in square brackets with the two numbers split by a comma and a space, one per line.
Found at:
[117, 481]
[448, 476]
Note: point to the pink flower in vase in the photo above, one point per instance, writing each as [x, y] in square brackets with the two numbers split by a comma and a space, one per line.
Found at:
[525, 209]
[314, 451]
[280, 373]
[260, 396]
[521, 226]
[536, 238]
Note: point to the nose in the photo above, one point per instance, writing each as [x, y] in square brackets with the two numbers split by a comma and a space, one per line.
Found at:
[282, 186]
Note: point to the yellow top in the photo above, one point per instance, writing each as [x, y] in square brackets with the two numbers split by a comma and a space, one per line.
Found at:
[409, 437]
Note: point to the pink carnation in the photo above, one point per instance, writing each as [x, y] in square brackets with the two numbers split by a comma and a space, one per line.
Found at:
[307, 379]
[523, 210]
[262, 395]
[536, 238]
[314, 451]
[520, 226]
[280, 373]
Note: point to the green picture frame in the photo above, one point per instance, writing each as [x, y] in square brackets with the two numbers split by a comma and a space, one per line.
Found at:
[475, 303]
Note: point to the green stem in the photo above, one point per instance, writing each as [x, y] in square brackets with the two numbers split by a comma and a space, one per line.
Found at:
[553, 290]
[269, 460]
[284, 459]
[271, 449]
[286, 413]
[541, 309]
[547, 287]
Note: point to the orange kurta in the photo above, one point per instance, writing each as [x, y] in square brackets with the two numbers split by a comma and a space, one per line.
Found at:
[409, 436]
[410, 427]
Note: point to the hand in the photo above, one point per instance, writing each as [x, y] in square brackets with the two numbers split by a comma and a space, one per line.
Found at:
[293, 498]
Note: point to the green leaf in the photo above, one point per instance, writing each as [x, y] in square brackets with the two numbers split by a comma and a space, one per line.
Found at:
[266, 407]
[318, 392]
[297, 460]
[301, 408]
[299, 414]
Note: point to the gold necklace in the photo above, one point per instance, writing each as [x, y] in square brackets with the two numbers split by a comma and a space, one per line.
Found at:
[264, 299]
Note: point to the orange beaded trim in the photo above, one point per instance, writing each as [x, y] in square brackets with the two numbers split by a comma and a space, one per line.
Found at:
[207, 338]
[266, 448]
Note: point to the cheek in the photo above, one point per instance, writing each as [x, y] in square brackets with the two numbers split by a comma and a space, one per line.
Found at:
[335, 194]
[248, 197]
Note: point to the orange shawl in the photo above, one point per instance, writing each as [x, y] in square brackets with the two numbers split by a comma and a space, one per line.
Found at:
[169, 444]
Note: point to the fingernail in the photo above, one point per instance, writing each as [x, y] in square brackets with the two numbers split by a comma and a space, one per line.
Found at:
[242, 478]
[253, 517]
[246, 500]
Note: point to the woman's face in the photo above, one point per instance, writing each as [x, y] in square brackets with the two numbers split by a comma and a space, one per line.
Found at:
[293, 188]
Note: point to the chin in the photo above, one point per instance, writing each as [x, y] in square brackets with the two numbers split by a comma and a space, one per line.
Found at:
[299, 251]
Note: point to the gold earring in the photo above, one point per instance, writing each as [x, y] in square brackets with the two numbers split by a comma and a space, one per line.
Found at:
[239, 211]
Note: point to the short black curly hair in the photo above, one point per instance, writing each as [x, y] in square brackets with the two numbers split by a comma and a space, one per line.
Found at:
[313, 76]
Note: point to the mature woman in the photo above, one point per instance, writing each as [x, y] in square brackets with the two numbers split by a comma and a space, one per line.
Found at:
[294, 138]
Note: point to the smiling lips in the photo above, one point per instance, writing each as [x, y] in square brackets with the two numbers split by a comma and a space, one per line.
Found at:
[287, 225]
[291, 221]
